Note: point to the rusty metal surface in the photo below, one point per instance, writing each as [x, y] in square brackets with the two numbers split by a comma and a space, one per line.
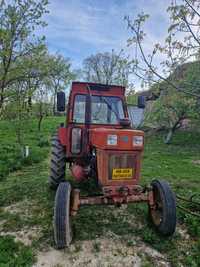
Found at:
[114, 199]
[118, 198]
[122, 190]
[75, 201]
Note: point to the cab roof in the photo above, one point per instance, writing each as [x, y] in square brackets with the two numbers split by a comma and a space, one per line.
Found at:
[97, 88]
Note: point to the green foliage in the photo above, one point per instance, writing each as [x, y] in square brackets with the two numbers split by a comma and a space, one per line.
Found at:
[193, 225]
[14, 253]
[29, 74]
[180, 45]
[132, 99]
[18, 20]
[170, 109]
[59, 77]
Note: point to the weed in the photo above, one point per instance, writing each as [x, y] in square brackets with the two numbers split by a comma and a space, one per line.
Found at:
[15, 253]
[96, 247]
[77, 248]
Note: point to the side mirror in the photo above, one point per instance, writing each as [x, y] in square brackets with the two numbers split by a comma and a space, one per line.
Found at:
[141, 101]
[61, 101]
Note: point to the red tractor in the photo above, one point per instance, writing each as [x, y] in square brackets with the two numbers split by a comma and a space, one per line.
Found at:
[99, 143]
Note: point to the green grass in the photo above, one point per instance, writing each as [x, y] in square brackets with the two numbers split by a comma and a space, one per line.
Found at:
[27, 186]
[10, 152]
[15, 253]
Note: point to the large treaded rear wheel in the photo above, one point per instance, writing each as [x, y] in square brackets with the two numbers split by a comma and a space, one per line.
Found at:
[163, 216]
[62, 222]
[58, 163]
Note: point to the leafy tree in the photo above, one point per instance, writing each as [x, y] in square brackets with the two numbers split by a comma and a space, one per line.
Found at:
[176, 49]
[18, 108]
[60, 75]
[18, 20]
[29, 74]
[41, 107]
[107, 68]
[169, 111]
[177, 87]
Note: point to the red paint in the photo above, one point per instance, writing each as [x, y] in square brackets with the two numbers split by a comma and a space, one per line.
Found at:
[94, 138]
[62, 133]
[78, 172]
[98, 138]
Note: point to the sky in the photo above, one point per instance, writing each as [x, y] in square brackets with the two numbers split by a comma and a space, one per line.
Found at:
[79, 28]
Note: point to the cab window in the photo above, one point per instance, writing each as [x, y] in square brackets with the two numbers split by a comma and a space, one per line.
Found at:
[79, 109]
[106, 110]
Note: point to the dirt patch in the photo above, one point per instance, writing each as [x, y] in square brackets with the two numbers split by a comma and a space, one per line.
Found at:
[102, 252]
[183, 232]
[197, 162]
[156, 256]
[14, 208]
[24, 208]
[25, 236]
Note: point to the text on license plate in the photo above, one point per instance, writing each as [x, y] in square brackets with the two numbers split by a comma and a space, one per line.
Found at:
[122, 173]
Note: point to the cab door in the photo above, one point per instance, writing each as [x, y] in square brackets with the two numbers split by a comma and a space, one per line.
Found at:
[77, 127]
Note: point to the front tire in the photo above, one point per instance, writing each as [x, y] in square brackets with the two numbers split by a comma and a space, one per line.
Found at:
[62, 219]
[163, 215]
[58, 163]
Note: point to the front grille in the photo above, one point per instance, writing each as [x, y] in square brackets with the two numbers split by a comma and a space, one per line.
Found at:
[121, 161]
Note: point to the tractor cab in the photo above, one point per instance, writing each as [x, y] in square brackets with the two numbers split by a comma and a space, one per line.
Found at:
[93, 110]
[98, 143]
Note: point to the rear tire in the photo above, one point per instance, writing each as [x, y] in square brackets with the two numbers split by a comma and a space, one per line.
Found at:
[58, 163]
[62, 220]
[163, 216]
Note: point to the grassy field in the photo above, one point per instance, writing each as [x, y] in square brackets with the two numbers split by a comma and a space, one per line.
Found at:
[27, 207]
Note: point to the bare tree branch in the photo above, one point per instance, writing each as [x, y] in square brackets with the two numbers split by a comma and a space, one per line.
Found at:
[137, 31]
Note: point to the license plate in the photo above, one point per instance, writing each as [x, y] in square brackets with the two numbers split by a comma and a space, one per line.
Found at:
[122, 174]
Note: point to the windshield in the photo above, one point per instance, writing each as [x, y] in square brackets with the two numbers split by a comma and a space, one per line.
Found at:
[104, 109]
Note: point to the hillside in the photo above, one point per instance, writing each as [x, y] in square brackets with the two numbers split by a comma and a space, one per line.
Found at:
[186, 76]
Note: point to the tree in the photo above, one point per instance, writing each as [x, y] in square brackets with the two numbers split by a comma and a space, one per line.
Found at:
[170, 110]
[107, 68]
[176, 50]
[16, 110]
[41, 107]
[178, 97]
[60, 75]
[18, 20]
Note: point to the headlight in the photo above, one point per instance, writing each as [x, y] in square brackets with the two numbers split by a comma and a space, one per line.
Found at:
[76, 141]
[137, 140]
[112, 139]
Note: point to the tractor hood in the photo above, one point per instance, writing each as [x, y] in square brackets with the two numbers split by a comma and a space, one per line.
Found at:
[117, 139]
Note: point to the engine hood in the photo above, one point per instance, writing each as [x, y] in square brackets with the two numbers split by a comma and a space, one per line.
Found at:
[99, 138]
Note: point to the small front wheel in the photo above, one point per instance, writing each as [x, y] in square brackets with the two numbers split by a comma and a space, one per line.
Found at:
[163, 213]
[62, 219]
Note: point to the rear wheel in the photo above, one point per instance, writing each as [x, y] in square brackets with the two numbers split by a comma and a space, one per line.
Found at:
[58, 163]
[163, 215]
[62, 219]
